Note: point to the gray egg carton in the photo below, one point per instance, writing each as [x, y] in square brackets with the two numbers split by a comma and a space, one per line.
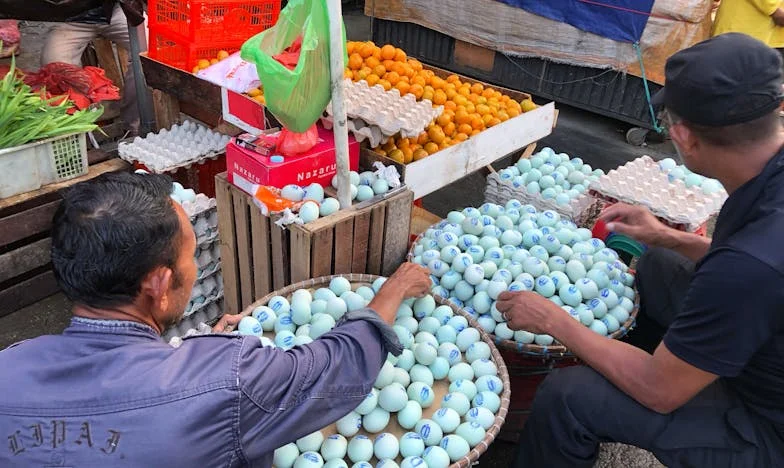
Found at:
[582, 209]
[642, 182]
[196, 324]
[388, 110]
[174, 148]
[205, 292]
[361, 131]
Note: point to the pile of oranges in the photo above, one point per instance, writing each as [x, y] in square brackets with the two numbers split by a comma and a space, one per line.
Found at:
[204, 63]
[469, 108]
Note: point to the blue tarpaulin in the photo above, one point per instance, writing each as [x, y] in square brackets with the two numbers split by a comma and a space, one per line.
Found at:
[619, 20]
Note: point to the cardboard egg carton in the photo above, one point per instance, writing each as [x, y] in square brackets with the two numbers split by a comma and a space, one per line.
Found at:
[205, 292]
[583, 210]
[361, 131]
[641, 182]
[388, 110]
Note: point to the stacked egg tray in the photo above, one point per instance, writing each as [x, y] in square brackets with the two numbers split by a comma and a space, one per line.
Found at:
[203, 213]
[195, 324]
[171, 149]
[452, 363]
[387, 111]
[476, 254]
[642, 182]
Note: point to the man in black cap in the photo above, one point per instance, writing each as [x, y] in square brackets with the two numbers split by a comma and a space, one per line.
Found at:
[712, 392]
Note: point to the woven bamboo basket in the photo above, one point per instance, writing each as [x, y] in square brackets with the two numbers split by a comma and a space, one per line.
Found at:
[554, 351]
[440, 387]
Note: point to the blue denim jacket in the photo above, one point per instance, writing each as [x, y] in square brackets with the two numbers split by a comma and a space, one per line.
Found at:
[113, 394]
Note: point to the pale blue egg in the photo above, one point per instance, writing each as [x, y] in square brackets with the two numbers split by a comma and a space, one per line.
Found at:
[488, 400]
[265, 316]
[711, 186]
[532, 237]
[413, 462]
[443, 313]
[611, 323]
[570, 295]
[336, 463]
[430, 432]
[585, 314]
[425, 337]
[667, 164]
[279, 304]
[450, 352]
[455, 217]
[314, 192]
[334, 447]
[559, 279]
[354, 178]
[490, 238]
[349, 424]
[369, 403]
[447, 238]
[562, 199]
[461, 370]
[599, 327]
[546, 182]
[522, 336]
[545, 286]
[300, 312]
[597, 307]
[401, 375]
[533, 187]
[323, 294]
[311, 442]
[458, 322]
[339, 285]
[549, 193]
[360, 448]
[466, 338]
[375, 421]
[285, 456]
[424, 306]
[620, 314]
[284, 323]
[539, 252]
[467, 240]
[462, 261]
[249, 326]
[463, 290]
[575, 270]
[538, 159]
[420, 373]
[482, 416]
[380, 186]
[599, 277]
[449, 252]
[543, 340]
[336, 308]
[447, 418]
[406, 360]
[609, 297]
[409, 323]
[524, 165]
[556, 263]
[626, 303]
[556, 300]
[456, 447]
[439, 368]
[321, 325]
[509, 251]
[534, 266]
[546, 169]
[292, 192]
[513, 214]
[484, 366]
[472, 225]
[487, 323]
[533, 176]
[425, 354]
[495, 288]
[477, 253]
[364, 193]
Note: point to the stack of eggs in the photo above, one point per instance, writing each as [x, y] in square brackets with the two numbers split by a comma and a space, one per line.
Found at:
[675, 172]
[552, 176]
[364, 186]
[441, 393]
[477, 254]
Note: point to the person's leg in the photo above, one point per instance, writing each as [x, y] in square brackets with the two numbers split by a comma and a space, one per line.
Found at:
[66, 42]
[576, 409]
[663, 278]
[117, 32]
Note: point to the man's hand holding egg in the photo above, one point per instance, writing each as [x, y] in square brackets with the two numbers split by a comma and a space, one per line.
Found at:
[526, 310]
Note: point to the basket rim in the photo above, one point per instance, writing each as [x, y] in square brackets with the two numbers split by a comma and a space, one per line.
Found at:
[32, 144]
[498, 360]
[532, 349]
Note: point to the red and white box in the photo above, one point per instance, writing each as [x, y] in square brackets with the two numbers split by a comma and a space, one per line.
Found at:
[247, 167]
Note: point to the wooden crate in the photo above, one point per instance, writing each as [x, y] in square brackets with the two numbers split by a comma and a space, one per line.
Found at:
[25, 222]
[258, 257]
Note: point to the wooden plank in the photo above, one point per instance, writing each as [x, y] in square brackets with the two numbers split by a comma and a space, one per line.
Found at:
[124, 60]
[180, 84]
[244, 249]
[421, 219]
[166, 108]
[108, 61]
[361, 241]
[111, 165]
[321, 252]
[27, 292]
[474, 56]
[397, 226]
[300, 253]
[229, 268]
[376, 239]
[24, 259]
[27, 223]
[260, 235]
[344, 245]
[280, 256]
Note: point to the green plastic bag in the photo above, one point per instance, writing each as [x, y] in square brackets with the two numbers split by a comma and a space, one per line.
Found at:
[295, 97]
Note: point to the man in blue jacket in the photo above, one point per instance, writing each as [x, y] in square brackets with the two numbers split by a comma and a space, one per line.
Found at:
[110, 392]
[712, 392]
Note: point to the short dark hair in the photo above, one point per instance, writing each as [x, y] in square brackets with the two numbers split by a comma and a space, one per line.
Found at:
[109, 233]
[737, 135]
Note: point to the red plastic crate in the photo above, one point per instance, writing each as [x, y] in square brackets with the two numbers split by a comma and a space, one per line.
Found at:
[180, 53]
[204, 21]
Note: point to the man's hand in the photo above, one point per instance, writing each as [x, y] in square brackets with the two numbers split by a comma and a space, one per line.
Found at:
[528, 311]
[225, 321]
[412, 279]
[636, 222]
[778, 17]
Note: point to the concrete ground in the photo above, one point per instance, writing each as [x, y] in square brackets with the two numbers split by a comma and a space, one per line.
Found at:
[598, 140]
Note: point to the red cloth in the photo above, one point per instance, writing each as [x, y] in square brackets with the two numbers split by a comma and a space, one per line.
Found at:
[82, 86]
[289, 57]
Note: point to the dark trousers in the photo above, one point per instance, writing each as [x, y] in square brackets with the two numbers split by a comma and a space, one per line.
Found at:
[576, 409]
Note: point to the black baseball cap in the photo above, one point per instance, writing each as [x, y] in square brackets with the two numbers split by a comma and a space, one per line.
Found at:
[728, 79]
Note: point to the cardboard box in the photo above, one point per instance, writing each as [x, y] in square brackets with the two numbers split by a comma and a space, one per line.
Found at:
[246, 167]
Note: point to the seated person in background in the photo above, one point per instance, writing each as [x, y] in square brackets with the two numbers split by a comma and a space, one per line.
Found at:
[712, 392]
[110, 392]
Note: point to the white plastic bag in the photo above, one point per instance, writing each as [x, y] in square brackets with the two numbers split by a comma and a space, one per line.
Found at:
[232, 73]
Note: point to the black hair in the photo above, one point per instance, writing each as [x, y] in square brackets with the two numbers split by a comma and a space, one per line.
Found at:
[738, 135]
[109, 233]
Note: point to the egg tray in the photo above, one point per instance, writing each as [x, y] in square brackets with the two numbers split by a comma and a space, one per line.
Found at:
[503, 374]
[361, 131]
[583, 210]
[201, 204]
[641, 182]
[555, 351]
[388, 110]
[207, 263]
[199, 323]
[213, 296]
[175, 148]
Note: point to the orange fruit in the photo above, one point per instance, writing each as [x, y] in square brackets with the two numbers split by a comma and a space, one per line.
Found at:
[443, 145]
[481, 100]
[461, 137]
[400, 56]
[477, 88]
[203, 63]
[444, 119]
[423, 138]
[196, 69]
[451, 93]
[482, 109]
[388, 52]
[488, 93]
[420, 153]
[350, 47]
[377, 54]
[260, 99]
[403, 143]
[503, 116]
[527, 105]
[415, 64]
[364, 72]
[477, 123]
[464, 90]
[427, 95]
[473, 98]
[513, 112]
[348, 74]
[439, 97]
[355, 61]
[487, 118]
[388, 64]
[465, 128]
[450, 105]
[397, 155]
[431, 147]
[222, 54]
[420, 80]
[496, 121]
[436, 134]
[409, 71]
[416, 90]
[254, 92]
[372, 62]
[379, 70]
[385, 84]
[470, 108]
[475, 132]
[380, 151]
[403, 87]
[452, 79]
[392, 77]
[214, 61]
[366, 50]
[372, 79]
[408, 155]
[437, 82]
[462, 117]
